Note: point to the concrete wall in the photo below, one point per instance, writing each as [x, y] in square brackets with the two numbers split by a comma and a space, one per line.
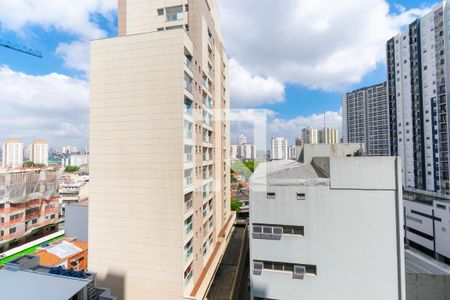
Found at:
[427, 287]
[76, 222]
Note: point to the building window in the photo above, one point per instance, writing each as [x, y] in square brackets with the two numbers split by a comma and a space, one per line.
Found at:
[297, 270]
[52, 216]
[440, 206]
[34, 221]
[270, 195]
[174, 13]
[274, 232]
[301, 196]
[12, 230]
[160, 11]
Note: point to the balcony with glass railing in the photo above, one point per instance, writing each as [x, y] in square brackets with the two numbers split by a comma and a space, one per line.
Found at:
[187, 202]
[187, 153]
[207, 85]
[188, 62]
[187, 130]
[207, 156]
[207, 173]
[188, 83]
[207, 209]
[188, 275]
[207, 136]
[188, 249]
[207, 118]
[187, 226]
[208, 101]
[187, 106]
[188, 177]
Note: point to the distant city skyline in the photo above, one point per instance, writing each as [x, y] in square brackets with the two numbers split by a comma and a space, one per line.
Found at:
[54, 91]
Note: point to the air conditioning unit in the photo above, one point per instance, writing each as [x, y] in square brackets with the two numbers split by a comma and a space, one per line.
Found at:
[257, 268]
[299, 272]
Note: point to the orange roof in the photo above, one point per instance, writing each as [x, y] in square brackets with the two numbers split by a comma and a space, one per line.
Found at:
[49, 259]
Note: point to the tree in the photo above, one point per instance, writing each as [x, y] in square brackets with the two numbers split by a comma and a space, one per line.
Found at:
[71, 169]
[41, 166]
[235, 205]
[28, 163]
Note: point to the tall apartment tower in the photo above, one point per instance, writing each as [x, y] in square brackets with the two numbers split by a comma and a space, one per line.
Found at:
[39, 152]
[279, 148]
[310, 135]
[159, 216]
[365, 117]
[328, 135]
[418, 79]
[12, 154]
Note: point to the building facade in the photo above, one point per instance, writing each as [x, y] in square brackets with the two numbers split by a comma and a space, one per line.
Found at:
[365, 116]
[29, 201]
[298, 216]
[12, 154]
[292, 152]
[39, 152]
[279, 148]
[310, 135]
[160, 111]
[418, 77]
[328, 135]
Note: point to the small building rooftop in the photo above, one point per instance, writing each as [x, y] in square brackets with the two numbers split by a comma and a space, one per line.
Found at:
[286, 172]
[26, 284]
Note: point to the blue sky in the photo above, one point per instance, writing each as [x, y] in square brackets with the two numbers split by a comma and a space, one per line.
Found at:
[297, 68]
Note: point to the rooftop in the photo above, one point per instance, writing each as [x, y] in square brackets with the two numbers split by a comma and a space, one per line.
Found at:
[418, 263]
[286, 172]
[26, 284]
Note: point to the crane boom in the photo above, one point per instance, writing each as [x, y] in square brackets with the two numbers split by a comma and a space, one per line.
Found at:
[20, 48]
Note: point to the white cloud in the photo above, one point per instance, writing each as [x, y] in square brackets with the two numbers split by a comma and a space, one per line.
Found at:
[316, 43]
[72, 16]
[75, 55]
[78, 18]
[54, 107]
[248, 90]
[291, 128]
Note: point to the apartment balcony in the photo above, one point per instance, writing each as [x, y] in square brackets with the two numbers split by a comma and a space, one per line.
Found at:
[174, 17]
[207, 211]
[188, 276]
[187, 204]
[188, 62]
[187, 107]
[187, 83]
[207, 85]
[207, 174]
[208, 102]
[188, 181]
[188, 228]
[207, 139]
[207, 156]
[188, 250]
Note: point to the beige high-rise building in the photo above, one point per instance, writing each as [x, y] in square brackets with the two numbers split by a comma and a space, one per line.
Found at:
[159, 203]
[39, 152]
[328, 135]
[12, 154]
[310, 135]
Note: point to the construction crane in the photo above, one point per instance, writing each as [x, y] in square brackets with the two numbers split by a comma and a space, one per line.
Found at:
[20, 48]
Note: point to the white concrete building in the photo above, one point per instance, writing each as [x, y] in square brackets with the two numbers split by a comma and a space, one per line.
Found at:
[427, 223]
[242, 139]
[328, 135]
[69, 149]
[12, 154]
[234, 152]
[247, 152]
[331, 229]
[365, 119]
[310, 135]
[292, 154]
[77, 160]
[279, 148]
[418, 80]
[39, 152]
